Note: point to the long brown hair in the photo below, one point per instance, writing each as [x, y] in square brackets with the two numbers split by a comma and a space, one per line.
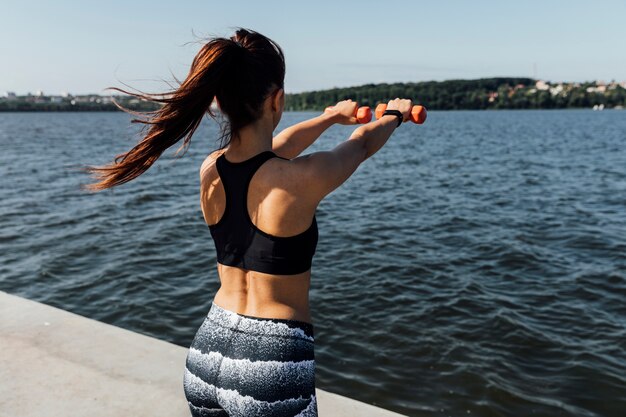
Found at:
[239, 72]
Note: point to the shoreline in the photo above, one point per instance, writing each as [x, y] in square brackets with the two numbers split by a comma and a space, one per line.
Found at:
[69, 364]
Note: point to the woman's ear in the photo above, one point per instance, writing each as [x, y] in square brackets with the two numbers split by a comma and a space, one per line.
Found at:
[278, 100]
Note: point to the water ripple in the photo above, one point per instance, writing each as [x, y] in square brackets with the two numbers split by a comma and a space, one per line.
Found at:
[474, 266]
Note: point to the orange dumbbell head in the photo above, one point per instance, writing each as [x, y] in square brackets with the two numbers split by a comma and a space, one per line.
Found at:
[380, 109]
[364, 114]
[418, 114]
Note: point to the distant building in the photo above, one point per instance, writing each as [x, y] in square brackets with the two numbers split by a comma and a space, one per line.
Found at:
[598, 89]
[10, 95]
[542, 85]
[556, 90]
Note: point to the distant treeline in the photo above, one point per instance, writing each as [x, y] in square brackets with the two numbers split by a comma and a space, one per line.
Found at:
[480, 94]
[29, 103]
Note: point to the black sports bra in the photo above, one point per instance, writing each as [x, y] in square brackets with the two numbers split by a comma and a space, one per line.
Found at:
[238, 242]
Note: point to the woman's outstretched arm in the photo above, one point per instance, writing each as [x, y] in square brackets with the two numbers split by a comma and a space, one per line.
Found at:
[293, 140]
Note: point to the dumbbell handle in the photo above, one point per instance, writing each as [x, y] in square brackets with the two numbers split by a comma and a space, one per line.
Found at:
[418, 113]
[362, 114]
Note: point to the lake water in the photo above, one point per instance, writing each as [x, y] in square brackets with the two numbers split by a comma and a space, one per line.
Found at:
[476, 265]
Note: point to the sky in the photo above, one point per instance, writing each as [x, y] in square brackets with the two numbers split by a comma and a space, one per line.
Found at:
[83, 47]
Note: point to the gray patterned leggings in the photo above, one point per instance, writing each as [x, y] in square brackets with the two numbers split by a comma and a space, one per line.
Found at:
[248, 366]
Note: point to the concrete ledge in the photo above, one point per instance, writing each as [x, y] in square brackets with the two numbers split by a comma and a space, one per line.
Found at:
[57, 363]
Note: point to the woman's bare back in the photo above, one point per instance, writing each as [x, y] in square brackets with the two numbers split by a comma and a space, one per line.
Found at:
[276, 205]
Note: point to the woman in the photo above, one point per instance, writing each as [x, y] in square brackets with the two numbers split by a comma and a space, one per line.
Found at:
[254, 353]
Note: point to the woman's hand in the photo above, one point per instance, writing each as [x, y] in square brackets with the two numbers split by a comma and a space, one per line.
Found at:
[404, 106]
[344, 112]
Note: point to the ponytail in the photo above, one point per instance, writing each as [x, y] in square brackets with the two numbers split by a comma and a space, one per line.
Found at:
[239, 72]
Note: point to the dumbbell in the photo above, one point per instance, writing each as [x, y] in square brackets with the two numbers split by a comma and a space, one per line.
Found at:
[362, 114]
[418, 113]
